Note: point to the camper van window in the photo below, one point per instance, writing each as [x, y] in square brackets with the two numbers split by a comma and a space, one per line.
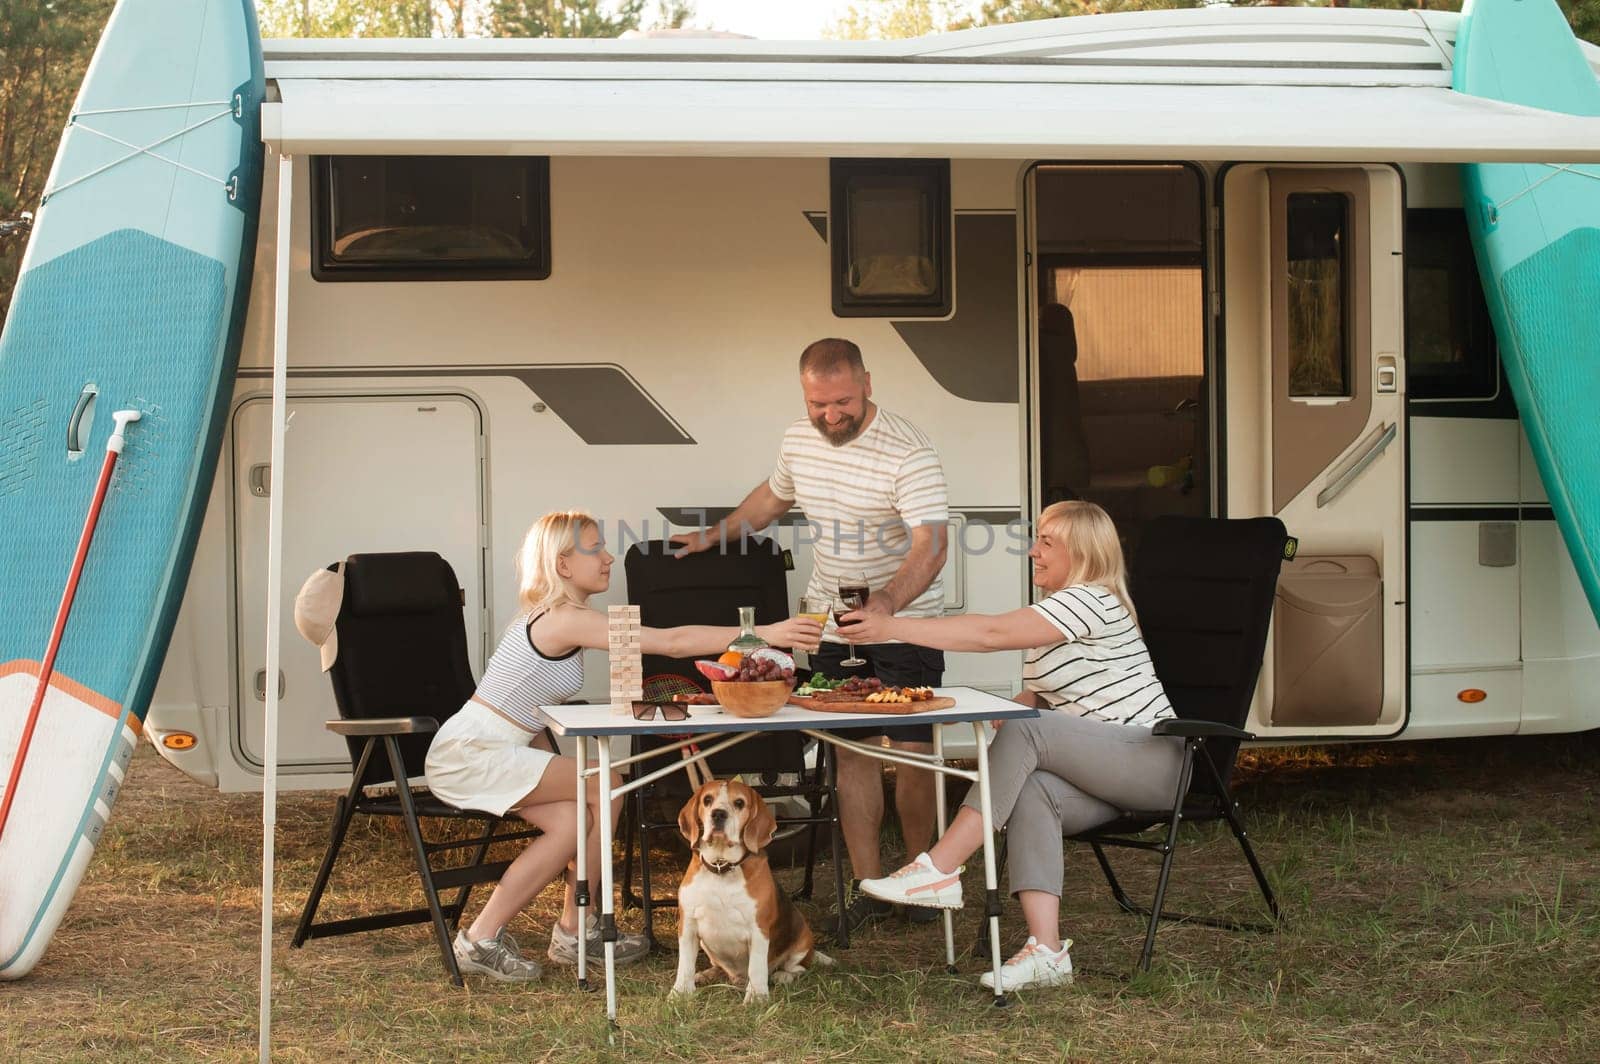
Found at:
[891, 237]
[1318, 225]
[1450, 351]
[430, 218]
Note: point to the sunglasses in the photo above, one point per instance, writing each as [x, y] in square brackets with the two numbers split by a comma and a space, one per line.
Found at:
[669, 711]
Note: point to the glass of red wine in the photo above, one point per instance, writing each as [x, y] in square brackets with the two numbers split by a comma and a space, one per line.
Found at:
[853, 596]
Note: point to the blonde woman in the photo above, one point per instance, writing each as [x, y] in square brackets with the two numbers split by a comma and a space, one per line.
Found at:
[490, 754]
[1077, 765]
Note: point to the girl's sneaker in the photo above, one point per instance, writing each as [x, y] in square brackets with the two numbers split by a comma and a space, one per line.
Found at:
[564, 946]
[918, 883]
[497, 957]
[1033, 965]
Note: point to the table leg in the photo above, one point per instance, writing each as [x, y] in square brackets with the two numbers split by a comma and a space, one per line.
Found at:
[991, 881]
[608, 923]
[939, 805]
[581, 886]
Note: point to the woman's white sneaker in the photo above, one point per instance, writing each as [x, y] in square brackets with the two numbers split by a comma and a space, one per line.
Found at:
[1033, 965]
[918, 883]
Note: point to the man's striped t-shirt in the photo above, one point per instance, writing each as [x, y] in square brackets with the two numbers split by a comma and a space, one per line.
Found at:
[1101, 667]
[863, 498]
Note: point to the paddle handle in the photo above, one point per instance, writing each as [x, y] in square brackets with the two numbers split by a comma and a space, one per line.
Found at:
[47, 667]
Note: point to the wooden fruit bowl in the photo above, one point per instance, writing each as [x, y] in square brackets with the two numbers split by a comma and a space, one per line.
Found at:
[761, 698]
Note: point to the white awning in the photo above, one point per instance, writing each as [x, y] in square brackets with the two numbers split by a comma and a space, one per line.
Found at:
[758, 116]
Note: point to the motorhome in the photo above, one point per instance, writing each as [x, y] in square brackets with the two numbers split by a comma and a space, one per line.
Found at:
[1202, 262]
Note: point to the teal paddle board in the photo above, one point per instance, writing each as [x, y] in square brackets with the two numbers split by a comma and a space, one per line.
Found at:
[131, 296]
[1536, 234]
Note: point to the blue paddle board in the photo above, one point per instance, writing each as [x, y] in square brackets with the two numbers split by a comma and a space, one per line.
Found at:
[131, 295]
[1536, 234]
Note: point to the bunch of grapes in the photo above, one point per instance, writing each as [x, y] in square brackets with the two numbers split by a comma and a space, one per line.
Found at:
[756, 670]
[861, 685]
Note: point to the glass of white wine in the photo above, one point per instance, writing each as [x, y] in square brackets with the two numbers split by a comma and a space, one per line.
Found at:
[813, 609]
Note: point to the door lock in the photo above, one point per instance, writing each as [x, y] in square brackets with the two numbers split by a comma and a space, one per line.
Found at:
[1388, 375]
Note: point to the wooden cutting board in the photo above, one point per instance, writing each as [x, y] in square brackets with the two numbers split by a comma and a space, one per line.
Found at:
[938, 702]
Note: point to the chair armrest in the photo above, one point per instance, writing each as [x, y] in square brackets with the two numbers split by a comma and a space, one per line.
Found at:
[383, 726]
[1198, 729]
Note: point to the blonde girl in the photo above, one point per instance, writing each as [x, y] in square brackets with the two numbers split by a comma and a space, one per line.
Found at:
[491, 756]
[1091, 753]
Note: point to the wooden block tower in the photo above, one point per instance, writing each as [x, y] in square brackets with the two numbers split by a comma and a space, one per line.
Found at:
[627, 668]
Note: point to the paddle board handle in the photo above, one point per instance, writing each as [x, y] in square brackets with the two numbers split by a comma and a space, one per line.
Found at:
[122, 418]
[47, 667]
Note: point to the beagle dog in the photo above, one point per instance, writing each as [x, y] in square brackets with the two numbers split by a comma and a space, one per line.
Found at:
[729, 904]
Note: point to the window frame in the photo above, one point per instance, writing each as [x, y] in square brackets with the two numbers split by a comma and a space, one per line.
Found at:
[325, 268]
[936, 172]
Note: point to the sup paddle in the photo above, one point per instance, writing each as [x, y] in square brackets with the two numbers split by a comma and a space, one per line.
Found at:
[48, 666]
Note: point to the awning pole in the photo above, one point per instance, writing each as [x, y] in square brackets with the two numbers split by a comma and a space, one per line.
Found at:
[269, 778]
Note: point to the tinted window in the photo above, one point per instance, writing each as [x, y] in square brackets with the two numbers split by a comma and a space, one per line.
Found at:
[1319, 342]
[1450, 350]
[891, 237]
[431, 218]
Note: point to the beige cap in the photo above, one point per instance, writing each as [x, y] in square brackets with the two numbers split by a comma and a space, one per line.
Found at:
[316, 611]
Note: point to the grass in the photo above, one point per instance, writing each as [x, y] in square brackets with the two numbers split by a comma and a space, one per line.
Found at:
[1442, 903]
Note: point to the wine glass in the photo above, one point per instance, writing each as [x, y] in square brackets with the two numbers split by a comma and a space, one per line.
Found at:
[853, 596]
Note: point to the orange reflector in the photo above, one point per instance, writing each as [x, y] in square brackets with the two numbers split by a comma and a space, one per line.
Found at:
[1472, 694]
[178, 740]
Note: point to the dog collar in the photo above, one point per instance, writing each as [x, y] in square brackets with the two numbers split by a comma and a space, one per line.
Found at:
[721, 867]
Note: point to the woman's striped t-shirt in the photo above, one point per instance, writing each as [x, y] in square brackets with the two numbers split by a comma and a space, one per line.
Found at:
[519, 679]
[1101, 667]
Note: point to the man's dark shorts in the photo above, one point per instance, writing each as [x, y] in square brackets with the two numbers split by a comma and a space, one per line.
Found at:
[897, 665]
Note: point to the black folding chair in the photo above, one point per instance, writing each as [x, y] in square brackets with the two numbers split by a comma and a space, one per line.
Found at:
[709, 588]
[1203, 589]
[403, 670]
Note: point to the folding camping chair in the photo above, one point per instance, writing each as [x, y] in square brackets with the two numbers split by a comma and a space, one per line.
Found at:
[1204, 590]
[402, 671]
[709, 588]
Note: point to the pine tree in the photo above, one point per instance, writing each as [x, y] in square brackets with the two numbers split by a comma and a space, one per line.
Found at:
[45, 47]
[563, 18]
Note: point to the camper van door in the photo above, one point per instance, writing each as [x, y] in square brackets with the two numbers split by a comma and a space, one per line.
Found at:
[1314, 423]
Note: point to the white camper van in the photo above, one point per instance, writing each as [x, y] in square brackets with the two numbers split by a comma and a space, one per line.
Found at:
[1204, 262]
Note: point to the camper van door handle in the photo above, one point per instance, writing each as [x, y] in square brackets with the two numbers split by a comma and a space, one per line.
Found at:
[261, 480]
[1385, 437]
[261, 684]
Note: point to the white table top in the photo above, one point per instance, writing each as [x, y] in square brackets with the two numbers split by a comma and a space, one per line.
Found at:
[971, 704]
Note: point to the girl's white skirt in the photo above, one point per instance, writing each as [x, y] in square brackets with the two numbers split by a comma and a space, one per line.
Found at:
[480, 760]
